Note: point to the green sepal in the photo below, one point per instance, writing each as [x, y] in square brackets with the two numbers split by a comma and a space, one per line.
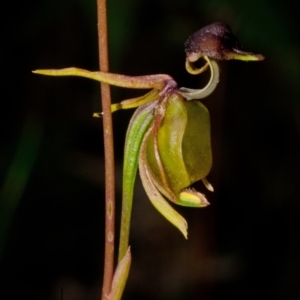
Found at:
[196, 145]
[154, 193]
[138, 125]
[184, 152]
[170, 137]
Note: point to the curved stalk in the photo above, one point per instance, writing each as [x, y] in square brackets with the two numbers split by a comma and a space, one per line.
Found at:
[194, 94]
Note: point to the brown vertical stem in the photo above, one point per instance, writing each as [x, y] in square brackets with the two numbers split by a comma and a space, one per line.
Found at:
[108, 154]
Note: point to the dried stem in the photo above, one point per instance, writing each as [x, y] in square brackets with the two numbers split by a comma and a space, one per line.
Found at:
[108, 154]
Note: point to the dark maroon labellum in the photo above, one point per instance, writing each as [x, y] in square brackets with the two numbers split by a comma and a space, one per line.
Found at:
[216, 41]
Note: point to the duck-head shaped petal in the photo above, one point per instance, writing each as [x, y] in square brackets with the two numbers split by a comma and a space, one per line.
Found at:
[217, 42]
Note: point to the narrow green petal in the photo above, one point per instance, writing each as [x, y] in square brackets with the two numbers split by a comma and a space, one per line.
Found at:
[154, 195]
[138, 125]
[135, 102]
[156, 81]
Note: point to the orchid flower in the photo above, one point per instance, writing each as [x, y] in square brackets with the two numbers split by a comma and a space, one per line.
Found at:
[168, 137]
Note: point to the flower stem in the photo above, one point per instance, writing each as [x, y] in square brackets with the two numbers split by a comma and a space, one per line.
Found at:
[108, 154]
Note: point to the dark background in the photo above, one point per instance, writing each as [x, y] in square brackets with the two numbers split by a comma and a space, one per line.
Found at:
[245, 245]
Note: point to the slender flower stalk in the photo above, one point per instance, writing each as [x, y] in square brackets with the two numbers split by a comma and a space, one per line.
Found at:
[108, 154]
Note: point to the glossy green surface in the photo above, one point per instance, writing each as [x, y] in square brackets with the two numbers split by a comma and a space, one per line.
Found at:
[184, 148]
